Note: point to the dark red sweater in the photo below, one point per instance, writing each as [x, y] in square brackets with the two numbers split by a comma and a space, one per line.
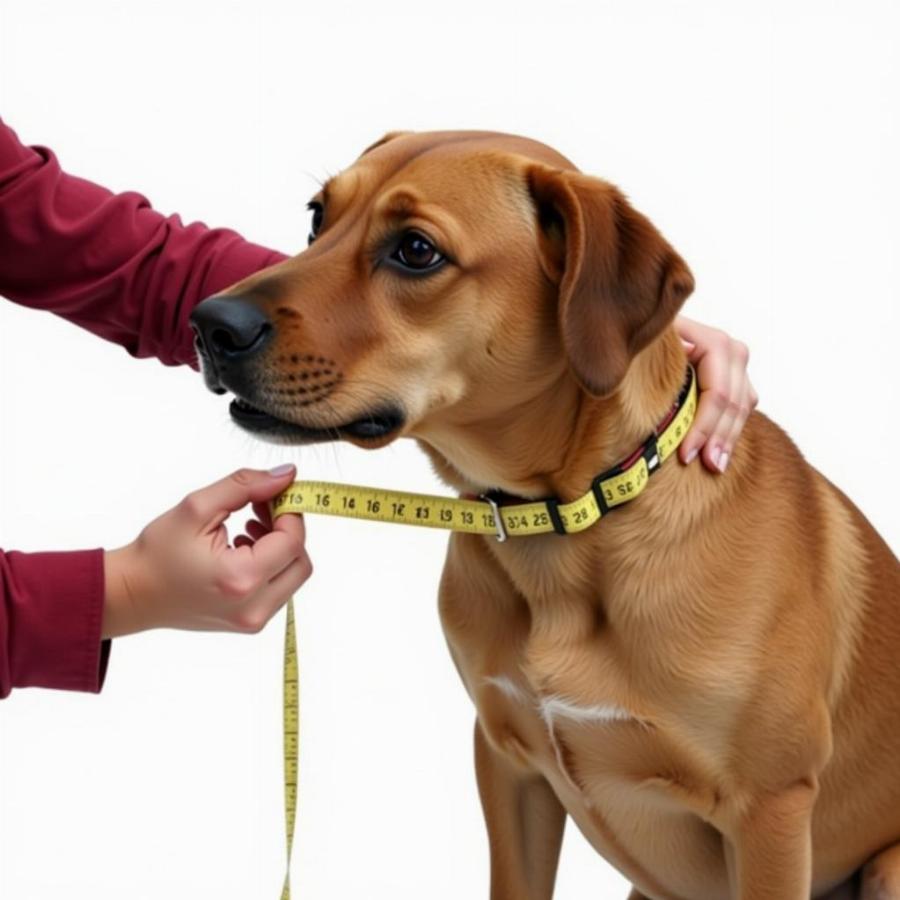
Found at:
[111, 264]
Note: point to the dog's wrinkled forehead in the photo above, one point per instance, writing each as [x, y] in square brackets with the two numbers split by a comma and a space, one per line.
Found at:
[441, 152]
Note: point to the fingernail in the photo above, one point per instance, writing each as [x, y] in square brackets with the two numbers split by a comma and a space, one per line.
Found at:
[281, 470]
[722, 462]
[714, 456]
[692, 455]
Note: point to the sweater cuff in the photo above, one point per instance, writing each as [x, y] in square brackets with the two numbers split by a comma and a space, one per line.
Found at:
[56, 620]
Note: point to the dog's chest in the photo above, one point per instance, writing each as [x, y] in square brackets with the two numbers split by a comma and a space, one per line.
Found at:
[579, 675]
[628, 777]
[588, 723]
[555, 677]
[557, 694]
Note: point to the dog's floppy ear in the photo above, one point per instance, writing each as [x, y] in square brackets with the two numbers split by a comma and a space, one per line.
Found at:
[383, 140]
[620, 282]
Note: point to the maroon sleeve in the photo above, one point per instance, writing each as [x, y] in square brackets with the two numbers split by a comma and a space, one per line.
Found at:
[111, 264]
[108, 262]
[51, 614]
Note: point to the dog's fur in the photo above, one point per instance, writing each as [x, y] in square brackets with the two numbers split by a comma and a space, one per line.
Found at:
[708, 680]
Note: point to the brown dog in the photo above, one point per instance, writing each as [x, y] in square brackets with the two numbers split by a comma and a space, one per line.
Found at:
[708, 680]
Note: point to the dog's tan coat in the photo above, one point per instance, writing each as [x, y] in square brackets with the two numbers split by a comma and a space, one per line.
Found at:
[708, 681]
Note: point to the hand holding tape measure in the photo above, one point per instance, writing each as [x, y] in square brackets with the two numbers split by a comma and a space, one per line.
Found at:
[180, 572]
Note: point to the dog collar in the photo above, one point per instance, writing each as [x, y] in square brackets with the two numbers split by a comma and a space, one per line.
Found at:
[610, 489]
[497, 513]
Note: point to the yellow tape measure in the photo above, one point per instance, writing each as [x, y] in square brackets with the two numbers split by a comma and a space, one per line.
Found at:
[484, 516]
[612, 488]
[291, 739]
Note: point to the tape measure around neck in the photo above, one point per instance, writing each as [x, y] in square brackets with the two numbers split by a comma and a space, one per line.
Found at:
[610, 489]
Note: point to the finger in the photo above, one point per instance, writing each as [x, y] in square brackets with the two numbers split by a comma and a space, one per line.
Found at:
[693, 335]
[731, 423]
[276, 593]
[717, 450]
[292, 524]
[714, 381]
[747, 405]
[281, 546]
[211, 503]
[714, 453]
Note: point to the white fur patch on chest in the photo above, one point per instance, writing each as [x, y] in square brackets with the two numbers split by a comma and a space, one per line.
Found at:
[508, 688]
[556, 707]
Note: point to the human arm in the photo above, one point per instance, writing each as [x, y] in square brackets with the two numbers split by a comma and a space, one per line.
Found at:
[58, 610]
[109, 262]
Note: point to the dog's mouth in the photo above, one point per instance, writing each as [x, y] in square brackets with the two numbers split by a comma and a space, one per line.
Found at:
[378, 426]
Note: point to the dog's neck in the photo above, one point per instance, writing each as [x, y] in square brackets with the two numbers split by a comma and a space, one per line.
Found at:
[562, 438]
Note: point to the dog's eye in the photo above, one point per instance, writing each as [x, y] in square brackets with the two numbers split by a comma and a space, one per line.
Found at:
[417, 252]
[318, 214]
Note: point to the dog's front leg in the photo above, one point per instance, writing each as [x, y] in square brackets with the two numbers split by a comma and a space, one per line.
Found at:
[525, 823]
[769, 850]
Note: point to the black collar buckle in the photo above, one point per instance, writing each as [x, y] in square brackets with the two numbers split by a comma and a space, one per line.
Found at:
[651, 454]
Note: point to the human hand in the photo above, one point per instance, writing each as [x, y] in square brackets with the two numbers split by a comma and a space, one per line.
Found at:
[181, 572]
[726, 396]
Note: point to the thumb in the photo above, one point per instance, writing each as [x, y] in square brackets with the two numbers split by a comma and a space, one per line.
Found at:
[237, 490]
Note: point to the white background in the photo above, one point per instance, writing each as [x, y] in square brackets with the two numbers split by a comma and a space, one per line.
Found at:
[762, 138]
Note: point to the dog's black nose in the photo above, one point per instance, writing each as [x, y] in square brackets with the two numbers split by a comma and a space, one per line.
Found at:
[229, 327]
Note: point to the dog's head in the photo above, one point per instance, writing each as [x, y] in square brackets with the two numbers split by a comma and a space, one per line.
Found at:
[450, 275]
